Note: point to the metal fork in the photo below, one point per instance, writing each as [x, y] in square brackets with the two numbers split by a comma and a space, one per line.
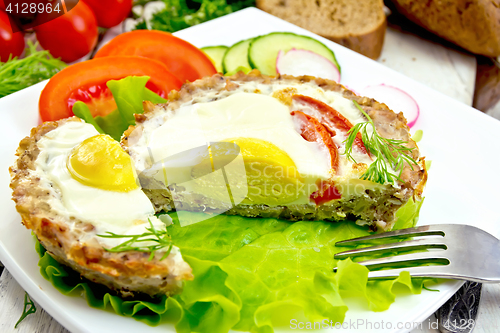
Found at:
[463, 252]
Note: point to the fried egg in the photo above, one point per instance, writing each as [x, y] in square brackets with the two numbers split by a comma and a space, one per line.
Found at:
[95, 181]
[281, 166]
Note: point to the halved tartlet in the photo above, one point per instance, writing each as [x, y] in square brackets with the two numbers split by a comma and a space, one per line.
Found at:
[70, 185]
[260, 146]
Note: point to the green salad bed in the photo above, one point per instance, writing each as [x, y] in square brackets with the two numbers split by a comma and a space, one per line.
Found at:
[251, 275]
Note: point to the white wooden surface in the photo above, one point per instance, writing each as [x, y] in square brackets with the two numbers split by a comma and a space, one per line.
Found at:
[452, 73]
[443, 69]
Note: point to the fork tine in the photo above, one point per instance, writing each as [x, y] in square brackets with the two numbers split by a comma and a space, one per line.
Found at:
[421, 271]
[417, 258]
[418, 244]
[428, 271]
[426, 230]
[431, 256]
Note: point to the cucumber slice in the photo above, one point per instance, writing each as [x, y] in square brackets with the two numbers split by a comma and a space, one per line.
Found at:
[236, 56]
[263, 50]
[216, 53]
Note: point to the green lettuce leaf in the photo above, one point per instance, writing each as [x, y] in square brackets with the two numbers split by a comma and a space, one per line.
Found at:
[407, 216]
[82, 111]
[129, 93]
[112, 124]
[252, 275]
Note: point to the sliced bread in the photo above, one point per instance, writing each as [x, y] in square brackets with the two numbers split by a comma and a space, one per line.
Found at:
[359, 25]
[473, 25]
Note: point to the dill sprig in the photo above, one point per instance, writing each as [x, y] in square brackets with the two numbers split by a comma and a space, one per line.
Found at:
[36, 66]
[386, 151]
[26, 311]
[160, 238]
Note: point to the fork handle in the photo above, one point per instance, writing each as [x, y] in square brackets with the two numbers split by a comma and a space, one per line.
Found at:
[458, 314]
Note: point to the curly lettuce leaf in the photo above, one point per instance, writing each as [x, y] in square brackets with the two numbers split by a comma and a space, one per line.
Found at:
[69, 282]
[252, 275]
[82, 111]
[407, 216]
[129, 93]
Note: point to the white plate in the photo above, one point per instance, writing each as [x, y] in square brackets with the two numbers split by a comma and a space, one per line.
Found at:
[463, 144]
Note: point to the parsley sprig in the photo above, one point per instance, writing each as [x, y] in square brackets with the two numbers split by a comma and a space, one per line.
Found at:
[390, 152]
[36, 66]
[29, 308]
[159, 238]
[182, 14]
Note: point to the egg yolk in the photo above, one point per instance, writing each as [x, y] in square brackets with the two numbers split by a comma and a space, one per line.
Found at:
[100, 162]
[271, 175]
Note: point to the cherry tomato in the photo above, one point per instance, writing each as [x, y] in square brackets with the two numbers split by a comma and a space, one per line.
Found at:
[183, 59]
[111, 12]
[331, 117]
[10, 43]
[86, 82]
[70, 36]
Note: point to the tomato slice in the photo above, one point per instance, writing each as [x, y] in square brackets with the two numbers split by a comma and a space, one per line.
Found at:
[183, 59]
[314, 131]
[86, 82]
[332, 117]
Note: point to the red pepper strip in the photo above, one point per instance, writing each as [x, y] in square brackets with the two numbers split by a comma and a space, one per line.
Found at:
[314, 131]
[332, 116]
[326, 193]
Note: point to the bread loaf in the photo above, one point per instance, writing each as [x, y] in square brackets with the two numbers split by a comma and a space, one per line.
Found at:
[359, 25]
[487, 90]
[472, 24]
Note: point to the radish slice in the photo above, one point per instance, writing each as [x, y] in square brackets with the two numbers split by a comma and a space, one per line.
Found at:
[303, 62]
[396, 99]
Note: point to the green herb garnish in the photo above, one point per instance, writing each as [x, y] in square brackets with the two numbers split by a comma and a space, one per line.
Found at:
[36, 66]
[161, 238]
[26, 311]
[181, 14]
[386, 151]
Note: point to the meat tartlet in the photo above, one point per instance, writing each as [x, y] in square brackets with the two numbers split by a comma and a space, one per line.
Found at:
[294, 124]
[67, 215]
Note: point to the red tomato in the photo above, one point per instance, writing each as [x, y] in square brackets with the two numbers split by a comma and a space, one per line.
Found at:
[70, 36]
[331, 117]
[111, 12]
[184, 60]
[10, 43]
[86, 82]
